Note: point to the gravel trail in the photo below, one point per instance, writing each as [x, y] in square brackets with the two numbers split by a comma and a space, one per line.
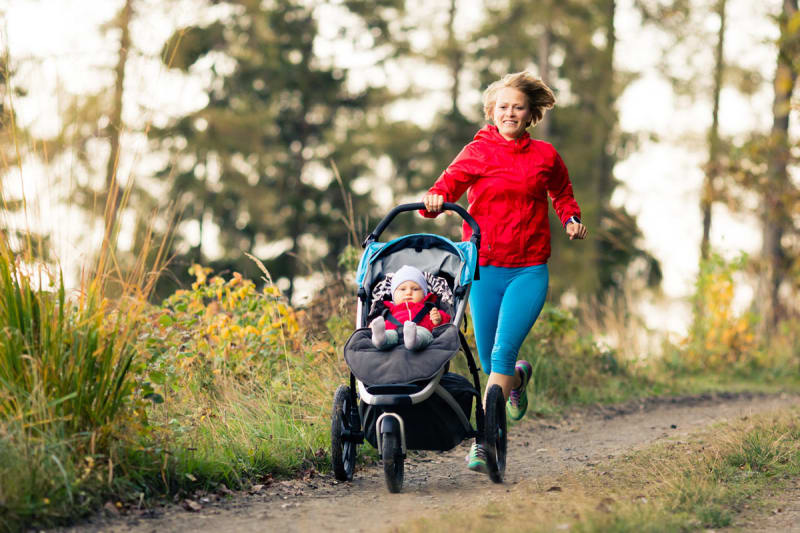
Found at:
[437, 482]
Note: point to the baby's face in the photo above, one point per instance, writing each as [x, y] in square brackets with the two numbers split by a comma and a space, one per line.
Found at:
[408, 291]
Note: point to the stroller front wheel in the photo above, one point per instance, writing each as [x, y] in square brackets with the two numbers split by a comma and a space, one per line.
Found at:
[343, 451]
[392, 455]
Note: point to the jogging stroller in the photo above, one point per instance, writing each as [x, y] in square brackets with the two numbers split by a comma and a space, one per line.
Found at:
[401, 400]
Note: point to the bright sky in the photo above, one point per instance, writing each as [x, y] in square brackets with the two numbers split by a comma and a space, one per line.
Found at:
[60, 51]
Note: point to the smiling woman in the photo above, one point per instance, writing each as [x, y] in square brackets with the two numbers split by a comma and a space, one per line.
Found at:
[507, 176]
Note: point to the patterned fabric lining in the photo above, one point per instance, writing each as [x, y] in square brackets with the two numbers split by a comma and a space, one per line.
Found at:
[438, 285]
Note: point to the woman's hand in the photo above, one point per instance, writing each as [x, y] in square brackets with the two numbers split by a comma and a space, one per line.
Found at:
[576, 230]
[433, 202]
[436, 316]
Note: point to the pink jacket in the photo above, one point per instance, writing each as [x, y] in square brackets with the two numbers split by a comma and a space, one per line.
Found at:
[407, 311]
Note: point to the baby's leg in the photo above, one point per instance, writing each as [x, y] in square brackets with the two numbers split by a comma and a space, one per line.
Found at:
[392, 339]
[416, 337]
[382, 338]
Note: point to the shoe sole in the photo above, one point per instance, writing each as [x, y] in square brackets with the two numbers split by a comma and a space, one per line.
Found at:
[481, 468]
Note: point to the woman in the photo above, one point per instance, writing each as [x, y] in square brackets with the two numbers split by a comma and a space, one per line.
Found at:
[508, 176]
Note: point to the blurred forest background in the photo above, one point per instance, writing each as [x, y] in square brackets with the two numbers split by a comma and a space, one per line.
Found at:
[253, 143]
[302, 121]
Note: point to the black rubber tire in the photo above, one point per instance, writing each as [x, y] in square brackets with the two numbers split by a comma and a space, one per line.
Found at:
[343, 453]
[496, 442]
[392, 455]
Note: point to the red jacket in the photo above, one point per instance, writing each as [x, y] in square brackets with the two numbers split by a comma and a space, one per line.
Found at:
[508, 183]
[408, 310]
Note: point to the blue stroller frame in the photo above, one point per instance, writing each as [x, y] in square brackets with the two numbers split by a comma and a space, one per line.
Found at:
[399, 399]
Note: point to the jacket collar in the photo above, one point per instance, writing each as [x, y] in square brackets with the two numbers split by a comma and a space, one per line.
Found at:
[489, 133]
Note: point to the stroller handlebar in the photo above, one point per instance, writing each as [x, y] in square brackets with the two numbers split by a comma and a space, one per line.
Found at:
[415, 206]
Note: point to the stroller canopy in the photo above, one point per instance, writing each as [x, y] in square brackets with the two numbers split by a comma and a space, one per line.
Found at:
[430, 253]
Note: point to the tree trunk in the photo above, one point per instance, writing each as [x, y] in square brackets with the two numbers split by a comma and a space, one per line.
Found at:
[606, 101]
[115, 124]
[455, 59]
[712, 170]
[604, 179]
[543, 128]
[776, 214]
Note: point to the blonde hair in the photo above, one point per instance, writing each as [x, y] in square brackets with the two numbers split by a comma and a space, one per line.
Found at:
[540, 97]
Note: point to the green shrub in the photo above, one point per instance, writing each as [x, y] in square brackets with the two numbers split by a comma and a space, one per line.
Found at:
[720, 338]
[569, 366]
[66, 390]
[239, 392]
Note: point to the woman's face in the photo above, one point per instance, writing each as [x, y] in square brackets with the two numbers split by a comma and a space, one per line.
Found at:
[512, 113]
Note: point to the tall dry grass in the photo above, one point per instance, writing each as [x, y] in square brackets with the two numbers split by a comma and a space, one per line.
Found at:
[67, 385]
[69, 368]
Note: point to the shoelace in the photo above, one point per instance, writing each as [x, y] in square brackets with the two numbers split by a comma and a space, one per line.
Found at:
[479, 452]
[514, 397]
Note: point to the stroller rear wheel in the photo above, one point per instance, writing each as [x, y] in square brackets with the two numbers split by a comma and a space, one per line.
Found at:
[495, 438]
[343, 451]
[392, 455]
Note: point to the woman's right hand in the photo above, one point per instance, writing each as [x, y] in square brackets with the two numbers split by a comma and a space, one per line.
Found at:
[433, 202]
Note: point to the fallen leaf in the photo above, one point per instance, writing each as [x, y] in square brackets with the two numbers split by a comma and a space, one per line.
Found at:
[191, 505]
[554, 489]
[605, 505]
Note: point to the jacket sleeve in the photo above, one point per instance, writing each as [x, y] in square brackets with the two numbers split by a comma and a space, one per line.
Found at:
[457, 177]
[560, 189]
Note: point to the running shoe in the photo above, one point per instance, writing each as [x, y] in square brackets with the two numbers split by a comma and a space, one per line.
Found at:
[517, 402]
[476, 459]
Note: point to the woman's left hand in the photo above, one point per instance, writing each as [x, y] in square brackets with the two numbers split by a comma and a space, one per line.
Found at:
[576, 230]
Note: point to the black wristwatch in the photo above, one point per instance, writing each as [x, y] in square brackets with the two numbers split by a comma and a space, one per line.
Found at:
[574, 219]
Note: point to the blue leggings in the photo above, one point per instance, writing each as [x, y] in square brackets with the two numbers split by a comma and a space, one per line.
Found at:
[504, 304]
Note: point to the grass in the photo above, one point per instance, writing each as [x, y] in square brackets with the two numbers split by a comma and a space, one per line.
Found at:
[65, 386]
[699, 484]
[216, 386]
[114, 399]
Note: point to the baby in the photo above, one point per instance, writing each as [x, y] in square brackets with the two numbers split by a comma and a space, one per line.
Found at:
[409, 296]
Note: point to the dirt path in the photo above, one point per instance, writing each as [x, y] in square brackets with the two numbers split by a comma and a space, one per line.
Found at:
[440, 481]
[782, 516]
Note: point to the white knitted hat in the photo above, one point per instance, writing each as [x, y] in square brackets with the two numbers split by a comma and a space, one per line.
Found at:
[409, 273]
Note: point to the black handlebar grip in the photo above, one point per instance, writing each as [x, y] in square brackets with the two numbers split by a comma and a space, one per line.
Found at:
[415, 206]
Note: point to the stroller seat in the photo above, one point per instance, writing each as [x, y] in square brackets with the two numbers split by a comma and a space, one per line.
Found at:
[372, 366]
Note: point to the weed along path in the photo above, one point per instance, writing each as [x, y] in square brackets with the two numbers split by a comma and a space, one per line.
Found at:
[439, 482]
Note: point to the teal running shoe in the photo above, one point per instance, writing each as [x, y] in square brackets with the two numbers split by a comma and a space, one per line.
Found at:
[517, 402]
[476, 459]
